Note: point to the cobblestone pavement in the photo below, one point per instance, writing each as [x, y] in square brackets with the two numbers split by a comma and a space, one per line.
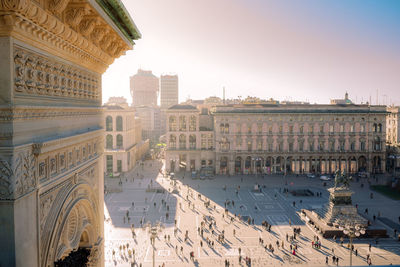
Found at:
[270, 205]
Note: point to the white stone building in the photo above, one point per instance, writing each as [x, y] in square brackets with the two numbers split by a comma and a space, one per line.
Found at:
[281, 138]
[393, 126]
[123, 144]
[190, 139]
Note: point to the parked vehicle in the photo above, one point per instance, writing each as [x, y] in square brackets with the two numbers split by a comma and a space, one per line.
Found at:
[363, 174]
[324, 178]
[310, 175]
[172, 176]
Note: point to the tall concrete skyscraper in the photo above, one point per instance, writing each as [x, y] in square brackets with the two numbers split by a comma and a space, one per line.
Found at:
[169, 91]
[144, 88]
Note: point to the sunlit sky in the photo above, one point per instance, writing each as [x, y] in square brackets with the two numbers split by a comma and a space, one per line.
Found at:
[282, 49]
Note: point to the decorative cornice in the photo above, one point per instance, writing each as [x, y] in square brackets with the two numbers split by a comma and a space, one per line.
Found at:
[74, 15]
[58, 5]
[70, 39]
[39, 113]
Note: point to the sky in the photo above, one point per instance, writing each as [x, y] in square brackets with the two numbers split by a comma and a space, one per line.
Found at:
[287, 50]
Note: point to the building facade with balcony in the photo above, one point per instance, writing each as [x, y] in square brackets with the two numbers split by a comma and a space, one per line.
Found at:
[393, 140]
[190, 139]
[286, 138]
[123, 144]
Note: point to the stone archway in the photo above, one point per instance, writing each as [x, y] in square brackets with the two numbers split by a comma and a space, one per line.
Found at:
[247, 165]
[362, 164]
[238, 165]
[224, 165]
[76, 226]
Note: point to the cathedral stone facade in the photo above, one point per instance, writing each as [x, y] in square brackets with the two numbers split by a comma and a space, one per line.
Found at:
[53, 53]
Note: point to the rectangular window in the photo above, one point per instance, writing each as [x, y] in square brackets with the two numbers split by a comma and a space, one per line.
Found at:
[210, 143]
[119, 165]
[239, 143]
[203, 141]
[210, 162]
[342, 146]
[270, 147]
[109, 163]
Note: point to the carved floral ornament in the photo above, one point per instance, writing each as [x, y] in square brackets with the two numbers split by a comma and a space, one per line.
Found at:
[17, 175]
[73, 35]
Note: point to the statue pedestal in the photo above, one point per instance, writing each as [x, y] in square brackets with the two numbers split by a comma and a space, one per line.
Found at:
[340, 207]
[337, 212]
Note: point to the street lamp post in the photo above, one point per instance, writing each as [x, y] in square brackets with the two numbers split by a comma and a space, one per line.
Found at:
[153, 235]
[351, 229]
[255, 159]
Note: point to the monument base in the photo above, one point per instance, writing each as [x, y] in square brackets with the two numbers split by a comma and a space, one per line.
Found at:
[339, 209]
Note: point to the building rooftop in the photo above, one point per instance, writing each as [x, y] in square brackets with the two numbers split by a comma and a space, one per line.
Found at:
[120, 16]
[298, 108]
[182, 107]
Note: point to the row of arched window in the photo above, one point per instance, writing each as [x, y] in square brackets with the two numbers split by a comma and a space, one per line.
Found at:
[173, 123]
[312, 146]
[182, 141]
[243, 128]
[110, 141]
[109, 123]
[377, 128]
[224, 128]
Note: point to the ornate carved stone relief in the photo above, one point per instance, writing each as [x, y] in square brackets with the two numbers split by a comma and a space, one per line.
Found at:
[75, 14]
[39, 75]
[58, 5]
[17, 175]
[32, 113]
[7, 171]
[70, 38]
